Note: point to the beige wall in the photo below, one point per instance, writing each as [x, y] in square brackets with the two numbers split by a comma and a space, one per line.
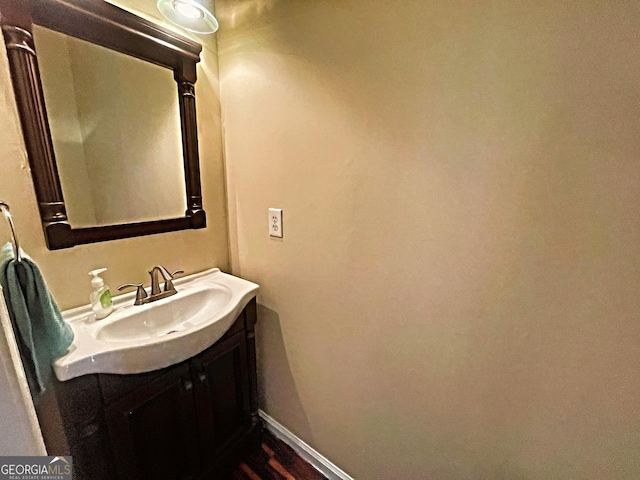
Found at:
[456, 294]
[127, 260]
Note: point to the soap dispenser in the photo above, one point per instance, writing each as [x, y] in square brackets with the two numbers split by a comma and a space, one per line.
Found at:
[101, 302]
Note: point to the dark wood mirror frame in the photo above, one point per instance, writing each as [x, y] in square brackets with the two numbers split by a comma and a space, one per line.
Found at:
[103, 24]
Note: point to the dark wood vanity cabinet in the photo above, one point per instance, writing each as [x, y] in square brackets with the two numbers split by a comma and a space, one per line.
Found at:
[191, 421]
[153, 429]
[221, 395]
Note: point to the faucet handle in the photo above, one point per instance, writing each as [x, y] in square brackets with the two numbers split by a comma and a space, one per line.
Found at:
[168, 284]
[164, 272]
[141, 293]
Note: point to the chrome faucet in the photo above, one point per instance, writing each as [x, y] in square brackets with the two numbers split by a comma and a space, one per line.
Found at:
[156, 292]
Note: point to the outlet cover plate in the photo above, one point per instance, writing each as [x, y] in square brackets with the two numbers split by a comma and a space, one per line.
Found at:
[275, 222]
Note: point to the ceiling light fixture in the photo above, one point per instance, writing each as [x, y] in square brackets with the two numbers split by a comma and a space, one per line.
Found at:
[191, 15]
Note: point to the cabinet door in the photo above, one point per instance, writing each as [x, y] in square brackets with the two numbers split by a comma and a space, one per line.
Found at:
[222, 395]
[85, 428]
[153, 430]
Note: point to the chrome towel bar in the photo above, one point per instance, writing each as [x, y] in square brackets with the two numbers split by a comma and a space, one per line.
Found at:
[16, 246]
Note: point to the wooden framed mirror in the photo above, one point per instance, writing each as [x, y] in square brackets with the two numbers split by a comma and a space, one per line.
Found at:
[137, 201]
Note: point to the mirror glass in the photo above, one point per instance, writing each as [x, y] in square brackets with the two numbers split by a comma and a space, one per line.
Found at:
[115, 126]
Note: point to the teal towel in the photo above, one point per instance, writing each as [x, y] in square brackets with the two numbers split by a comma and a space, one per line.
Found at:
[42, 333]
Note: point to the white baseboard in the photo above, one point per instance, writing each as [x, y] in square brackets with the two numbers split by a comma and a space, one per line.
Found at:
[305, 451]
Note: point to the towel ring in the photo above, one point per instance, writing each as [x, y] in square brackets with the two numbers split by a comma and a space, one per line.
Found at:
[16, 246]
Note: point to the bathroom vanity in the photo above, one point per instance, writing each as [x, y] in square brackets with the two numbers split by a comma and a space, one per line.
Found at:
[192, 419]
[188, 421]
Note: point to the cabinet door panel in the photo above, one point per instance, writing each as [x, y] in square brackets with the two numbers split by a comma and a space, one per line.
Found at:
[153, 429]
[222, 395]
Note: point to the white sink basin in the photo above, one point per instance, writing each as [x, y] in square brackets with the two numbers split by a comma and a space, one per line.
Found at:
[165, 317]
[136, 339]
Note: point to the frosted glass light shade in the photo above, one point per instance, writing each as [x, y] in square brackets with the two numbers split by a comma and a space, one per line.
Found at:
[191, 15]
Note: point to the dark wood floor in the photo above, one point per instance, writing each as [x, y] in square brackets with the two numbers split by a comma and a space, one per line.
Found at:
[275, 460]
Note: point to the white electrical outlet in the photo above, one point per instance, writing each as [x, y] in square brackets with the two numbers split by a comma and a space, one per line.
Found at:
[275, 222]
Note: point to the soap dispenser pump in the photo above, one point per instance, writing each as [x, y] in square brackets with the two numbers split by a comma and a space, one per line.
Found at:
[101, 302]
